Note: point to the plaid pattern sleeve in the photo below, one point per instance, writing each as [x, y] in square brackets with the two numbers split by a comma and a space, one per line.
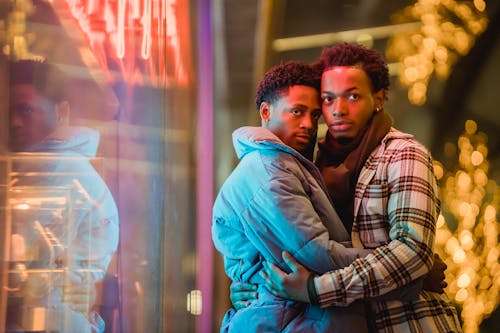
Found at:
[396, 207]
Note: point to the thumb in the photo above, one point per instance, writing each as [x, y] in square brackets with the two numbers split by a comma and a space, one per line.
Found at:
[290, 261]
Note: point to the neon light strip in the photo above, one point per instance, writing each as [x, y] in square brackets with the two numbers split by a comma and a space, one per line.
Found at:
[136, 10]
[146, 32]
[205, 166]
[120, 38]
[128, 29]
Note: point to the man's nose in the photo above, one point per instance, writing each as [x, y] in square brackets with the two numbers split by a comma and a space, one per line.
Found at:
[15, 120]
[308, 122]
[339, 107]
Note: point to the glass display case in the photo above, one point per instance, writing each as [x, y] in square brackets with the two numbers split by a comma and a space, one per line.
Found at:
[45, 251]
[39, 227]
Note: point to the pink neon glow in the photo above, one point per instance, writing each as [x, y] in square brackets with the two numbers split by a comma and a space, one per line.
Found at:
[109, 17]
[138, 34]
[205, 170]
[120, 36]
[92, 7]
[136, 10]
[146, 30]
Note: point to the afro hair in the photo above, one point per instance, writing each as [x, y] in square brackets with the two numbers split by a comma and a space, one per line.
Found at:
[279, 78]
[351, 54]
[47, 79]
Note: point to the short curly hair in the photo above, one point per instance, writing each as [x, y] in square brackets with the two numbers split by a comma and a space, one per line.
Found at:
[279, 78]
[45, 77]
[351, 54]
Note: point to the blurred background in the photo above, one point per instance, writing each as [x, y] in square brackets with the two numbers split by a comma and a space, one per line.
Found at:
[165, 82]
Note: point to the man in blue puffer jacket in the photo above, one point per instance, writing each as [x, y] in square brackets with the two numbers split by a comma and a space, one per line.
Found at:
[276, 200]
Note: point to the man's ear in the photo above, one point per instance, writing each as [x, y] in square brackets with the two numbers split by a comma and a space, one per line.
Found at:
[380, 97]
[265, 112]
[63, 112]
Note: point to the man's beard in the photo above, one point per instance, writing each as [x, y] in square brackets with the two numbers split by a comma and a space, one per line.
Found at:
[344, 141]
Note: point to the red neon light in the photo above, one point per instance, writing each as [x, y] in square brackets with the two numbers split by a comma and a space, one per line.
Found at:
[120, 34]
[142, 36]
[146, 30]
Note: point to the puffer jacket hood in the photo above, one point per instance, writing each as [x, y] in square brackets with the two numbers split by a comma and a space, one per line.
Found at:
[248, 139]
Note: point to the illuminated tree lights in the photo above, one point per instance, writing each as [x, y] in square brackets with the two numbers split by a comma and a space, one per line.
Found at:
[14, 39]
[467, 235]
[448, 30]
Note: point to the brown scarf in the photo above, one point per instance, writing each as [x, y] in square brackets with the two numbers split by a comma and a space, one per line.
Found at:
[340, 164]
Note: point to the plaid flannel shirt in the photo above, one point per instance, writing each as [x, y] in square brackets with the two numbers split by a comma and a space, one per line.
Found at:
[395, 211]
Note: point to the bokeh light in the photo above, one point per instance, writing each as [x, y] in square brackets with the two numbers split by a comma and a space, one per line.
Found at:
[448, 31]
[468, 238]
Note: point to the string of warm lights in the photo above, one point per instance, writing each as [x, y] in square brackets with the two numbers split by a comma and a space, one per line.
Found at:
[448, 30]
[467, 235]
[14, 38]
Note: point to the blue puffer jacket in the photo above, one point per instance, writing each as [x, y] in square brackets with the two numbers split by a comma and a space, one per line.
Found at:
[88, 236]
[275, 200]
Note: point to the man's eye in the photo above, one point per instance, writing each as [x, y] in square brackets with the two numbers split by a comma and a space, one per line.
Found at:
[25, 109]
[327, 99]
[296, 112]
[353, 97]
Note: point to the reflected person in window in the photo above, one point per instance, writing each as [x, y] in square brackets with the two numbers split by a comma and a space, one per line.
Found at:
[57, 154]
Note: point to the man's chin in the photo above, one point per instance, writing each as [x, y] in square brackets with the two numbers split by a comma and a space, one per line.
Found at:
[342, 137]
[344, 140]
[17, 147]
[306, 150]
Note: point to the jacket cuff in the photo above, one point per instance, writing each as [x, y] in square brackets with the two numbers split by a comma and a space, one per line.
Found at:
[311, 290]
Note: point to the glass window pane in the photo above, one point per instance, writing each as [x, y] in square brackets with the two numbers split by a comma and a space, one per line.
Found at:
[98, 167]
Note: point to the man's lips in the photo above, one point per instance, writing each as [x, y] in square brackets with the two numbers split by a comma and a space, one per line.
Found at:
[341, 125]
[303, 137]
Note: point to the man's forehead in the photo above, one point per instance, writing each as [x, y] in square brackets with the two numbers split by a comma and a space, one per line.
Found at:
[303, 93]
[24, 91]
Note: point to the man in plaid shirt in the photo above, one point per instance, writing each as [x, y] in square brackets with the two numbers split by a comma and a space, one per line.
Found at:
[383, 186]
